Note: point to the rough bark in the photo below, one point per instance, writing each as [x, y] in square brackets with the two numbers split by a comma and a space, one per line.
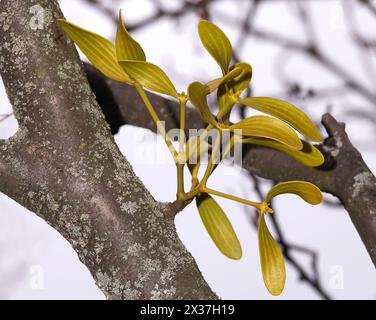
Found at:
[344, 173]
[64, 165]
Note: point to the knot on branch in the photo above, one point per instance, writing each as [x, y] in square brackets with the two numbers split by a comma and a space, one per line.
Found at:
[337, 141]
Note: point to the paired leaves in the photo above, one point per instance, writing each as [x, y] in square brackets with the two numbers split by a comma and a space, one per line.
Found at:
[216, 43]
[268, 127]
[131, 58]
[287, 112]
[271, 258]
[100, 51]
[149, 76]
[123, 61]
[218, 226]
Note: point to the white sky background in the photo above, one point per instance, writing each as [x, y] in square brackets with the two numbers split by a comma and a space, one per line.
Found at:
[29, 248]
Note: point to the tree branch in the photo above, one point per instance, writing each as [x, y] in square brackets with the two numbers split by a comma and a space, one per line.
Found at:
[344, 173]
[64, 165]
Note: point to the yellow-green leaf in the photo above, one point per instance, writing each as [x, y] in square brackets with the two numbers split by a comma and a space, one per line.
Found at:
[149, 76]
[237, 85]
[306, 190]
[100, 51]
[268, 127]
[218, 226]
[309, 155]
[286, 112]
[197, 95]
[271, 257]
[216, 43]
[126, 47]
[241, 82]
[224, 101]
[214, 84]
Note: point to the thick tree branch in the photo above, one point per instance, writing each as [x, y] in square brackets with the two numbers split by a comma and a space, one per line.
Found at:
[64, 165]
[344, 173]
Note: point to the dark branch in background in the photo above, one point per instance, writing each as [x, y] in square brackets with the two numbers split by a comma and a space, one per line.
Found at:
[314, 52]
[5, 116]
[309, 48]
[369, 5]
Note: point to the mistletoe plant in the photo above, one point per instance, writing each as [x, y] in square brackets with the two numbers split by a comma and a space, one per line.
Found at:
[126, 61]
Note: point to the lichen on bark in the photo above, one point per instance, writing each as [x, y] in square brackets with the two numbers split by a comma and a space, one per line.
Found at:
[63, 164]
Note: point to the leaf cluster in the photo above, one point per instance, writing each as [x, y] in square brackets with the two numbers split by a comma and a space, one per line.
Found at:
[281, 126]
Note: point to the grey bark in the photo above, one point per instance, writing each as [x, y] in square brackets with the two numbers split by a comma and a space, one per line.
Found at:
[344, 173]
[64, 165]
